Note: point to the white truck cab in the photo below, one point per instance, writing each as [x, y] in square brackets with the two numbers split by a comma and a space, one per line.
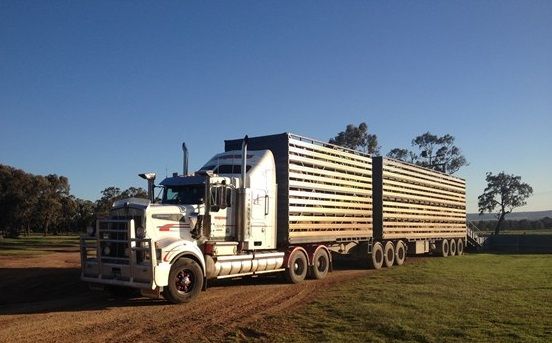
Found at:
[212, 224]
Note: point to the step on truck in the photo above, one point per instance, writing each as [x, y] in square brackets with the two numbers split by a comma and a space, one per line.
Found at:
[273, 204]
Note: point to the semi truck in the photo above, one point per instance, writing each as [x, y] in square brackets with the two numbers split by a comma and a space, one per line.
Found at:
[273, 204]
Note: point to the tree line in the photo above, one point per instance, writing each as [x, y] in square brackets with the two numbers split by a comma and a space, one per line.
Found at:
[36, 203]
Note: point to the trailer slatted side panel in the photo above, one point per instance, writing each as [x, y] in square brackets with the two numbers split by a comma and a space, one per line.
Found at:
[330, 192]
[417, 202]
[324, 191]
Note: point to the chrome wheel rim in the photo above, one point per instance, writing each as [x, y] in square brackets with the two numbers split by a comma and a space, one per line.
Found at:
[184, 281]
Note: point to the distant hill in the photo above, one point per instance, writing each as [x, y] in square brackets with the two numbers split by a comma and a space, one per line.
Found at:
[534, 215]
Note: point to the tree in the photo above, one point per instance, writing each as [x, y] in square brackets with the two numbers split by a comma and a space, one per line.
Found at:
[503, 192]
[112, 194]
[85, 214]
[435, 152]
[12, 199]
[403, 155]
[109, 195]
[43, 203]
[357, 138]
[134, 192]
[54, 189]
[68, 215]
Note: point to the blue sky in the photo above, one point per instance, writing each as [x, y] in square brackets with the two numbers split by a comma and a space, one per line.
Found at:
[100, 91]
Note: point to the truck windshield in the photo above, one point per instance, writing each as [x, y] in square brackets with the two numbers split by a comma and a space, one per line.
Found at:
[184, 195]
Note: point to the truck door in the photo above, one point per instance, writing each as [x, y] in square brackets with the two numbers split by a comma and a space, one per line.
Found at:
[260, 207]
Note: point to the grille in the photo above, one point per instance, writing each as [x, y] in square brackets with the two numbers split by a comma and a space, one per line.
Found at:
[114, 239]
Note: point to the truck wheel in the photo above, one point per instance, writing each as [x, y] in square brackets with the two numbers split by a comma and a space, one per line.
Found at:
[400, 253]
[452, 247]
[460, 247]
[321, 264]
[443, 248]
[185, 281]
[389, 254]
[298, 267]
[375, 259]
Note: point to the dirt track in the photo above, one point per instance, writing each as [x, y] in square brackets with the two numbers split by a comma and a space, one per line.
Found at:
[42, 299]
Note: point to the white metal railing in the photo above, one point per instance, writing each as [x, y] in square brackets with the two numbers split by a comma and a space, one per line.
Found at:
[474, 233]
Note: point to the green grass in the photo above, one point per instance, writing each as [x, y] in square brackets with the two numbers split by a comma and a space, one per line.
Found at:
[37, 245]
[474, 298]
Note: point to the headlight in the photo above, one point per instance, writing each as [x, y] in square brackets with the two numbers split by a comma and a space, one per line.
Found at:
[90, 231]
[140, 232]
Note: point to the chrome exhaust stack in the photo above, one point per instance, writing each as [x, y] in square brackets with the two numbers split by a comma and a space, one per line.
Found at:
[151, 184]
[243, 196]
[184, 159]
[244, 161]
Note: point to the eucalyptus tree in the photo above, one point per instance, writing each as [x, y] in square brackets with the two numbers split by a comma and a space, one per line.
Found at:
[357, 138]
[434, 152]
[503, 193]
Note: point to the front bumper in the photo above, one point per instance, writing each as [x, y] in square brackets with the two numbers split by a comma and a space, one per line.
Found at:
[135, 268]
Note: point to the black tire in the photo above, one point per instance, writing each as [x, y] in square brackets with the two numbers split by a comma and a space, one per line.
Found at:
[320, 264]
[443, 248]
[185, 281]
[298, 267]
[452, 247]
[389, 254]
[460, 247]
[400, 253]
[375, 259]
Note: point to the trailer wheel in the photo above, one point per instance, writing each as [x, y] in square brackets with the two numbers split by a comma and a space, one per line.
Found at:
[460, 247]
[185, 281]
[400, 253]
[443, 248]
[298, 267]
[321, 264]
[375, 259]
[452, 247]
[389, 254]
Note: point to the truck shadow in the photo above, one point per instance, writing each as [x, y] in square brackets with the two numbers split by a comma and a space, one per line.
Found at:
[45, 290]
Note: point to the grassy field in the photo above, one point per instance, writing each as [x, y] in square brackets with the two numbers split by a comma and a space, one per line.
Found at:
[476, 298]
[37, 244]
